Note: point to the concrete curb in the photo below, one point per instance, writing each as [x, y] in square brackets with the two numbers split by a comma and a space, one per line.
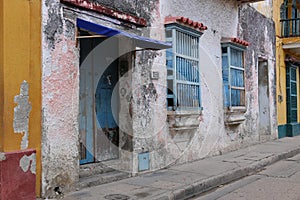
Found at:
[210, 183]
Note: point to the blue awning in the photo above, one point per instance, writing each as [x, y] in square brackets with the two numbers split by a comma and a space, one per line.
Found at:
[139, 41]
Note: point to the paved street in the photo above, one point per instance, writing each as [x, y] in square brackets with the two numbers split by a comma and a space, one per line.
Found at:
[280, 181]
[186, 181]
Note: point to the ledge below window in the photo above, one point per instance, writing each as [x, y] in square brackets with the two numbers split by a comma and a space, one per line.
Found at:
[183, 120]
[235, 115]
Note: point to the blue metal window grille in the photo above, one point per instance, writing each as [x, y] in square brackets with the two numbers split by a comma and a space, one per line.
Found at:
[291, 91]
[183, 75]
[233, 75]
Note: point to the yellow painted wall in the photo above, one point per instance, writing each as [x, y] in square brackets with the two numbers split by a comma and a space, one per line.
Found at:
[20, 59]
[1, 77]
[281, 83]
[264, 7]
[280, 65]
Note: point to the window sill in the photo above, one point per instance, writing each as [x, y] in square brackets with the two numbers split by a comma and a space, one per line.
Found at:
[183, 119]
[236, 109]
[235, 115]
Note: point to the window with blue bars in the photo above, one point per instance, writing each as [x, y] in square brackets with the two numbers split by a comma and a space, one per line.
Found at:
[233, 75]
[291, 91]
[183, 75]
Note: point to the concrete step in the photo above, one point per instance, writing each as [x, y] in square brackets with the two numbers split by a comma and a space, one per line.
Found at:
[103, 178]
[92, 169]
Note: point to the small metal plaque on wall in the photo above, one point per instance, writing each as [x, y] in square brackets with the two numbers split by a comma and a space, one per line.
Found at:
[143, 161]
[154, 75]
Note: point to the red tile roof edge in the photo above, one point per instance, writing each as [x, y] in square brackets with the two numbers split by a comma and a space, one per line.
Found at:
[93, 6]
[186, 21]
[239, 41]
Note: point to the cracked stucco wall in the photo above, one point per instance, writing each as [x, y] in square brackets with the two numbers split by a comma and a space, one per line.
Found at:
[262, 48]
[212, 137]
[150, 129]
[60, 90]
[59, 100]
[141, 8]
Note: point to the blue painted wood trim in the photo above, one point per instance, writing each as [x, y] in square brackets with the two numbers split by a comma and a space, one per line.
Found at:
[282, 131]
[292, 129]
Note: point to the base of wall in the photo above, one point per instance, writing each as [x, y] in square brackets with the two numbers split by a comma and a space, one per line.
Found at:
[293, 129]
[18, 179]
[288, 130]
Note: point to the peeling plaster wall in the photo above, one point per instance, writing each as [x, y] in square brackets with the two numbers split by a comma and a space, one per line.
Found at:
[213, 136]
[141, 8]
[149, 129]
[60, 90]
[60, 85]
[28, 163]
[21, 114]
[262, 47]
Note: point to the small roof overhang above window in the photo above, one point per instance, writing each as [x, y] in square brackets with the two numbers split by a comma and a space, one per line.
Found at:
[138, 41]
[233, 41]
[185, 23]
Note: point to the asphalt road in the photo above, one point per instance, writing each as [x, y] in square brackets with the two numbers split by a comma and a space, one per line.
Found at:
[280, 181]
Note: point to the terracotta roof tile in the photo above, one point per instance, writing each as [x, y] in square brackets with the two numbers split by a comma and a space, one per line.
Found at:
[239, 41]
[187, 22]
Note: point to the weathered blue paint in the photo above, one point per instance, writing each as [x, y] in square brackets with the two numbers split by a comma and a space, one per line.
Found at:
[103, 97]
[292, 129]
[139, 41]
[282, 131]
[291, 90]
[233, 75]
[183, 68]
[86, 125]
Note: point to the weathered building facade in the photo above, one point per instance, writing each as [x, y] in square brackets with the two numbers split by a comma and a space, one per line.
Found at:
[286, 17]
[114, 97]
[131, 85]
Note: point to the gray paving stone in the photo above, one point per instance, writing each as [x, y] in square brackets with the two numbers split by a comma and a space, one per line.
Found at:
[183, 181]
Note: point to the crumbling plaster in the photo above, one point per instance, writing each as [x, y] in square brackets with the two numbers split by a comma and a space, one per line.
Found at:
[146, 102]
[262, 47]
[21, 114]
[213, 136]
[141, 8]
[60, 87]
[210, 138]
[59, 101]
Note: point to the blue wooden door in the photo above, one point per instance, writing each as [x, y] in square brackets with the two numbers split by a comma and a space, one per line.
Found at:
[107, 134]
[99, 135]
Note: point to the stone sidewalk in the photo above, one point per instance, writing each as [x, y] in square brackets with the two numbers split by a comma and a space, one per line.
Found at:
[187, 180]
